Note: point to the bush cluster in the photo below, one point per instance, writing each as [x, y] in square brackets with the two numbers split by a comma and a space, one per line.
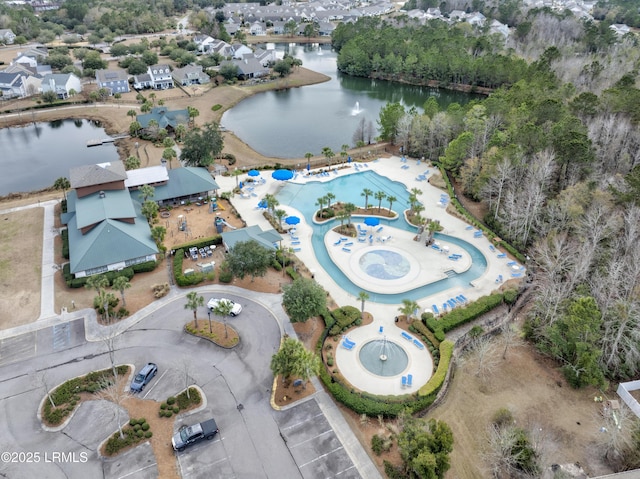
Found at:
[136, 431]
[292, 273]
[173, 405]
[65, 243]
[224, 273]
[460, 316]
[111, 275]
[437, 380]
[345, 317]
[182, 279]
[66, 396]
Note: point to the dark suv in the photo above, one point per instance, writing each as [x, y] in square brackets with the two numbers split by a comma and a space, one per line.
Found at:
[143, 377]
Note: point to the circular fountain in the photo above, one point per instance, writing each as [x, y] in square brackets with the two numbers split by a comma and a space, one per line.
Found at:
[383, 357]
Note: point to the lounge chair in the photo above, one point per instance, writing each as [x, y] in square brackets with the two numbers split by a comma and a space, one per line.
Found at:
[492, 248]
[347, 343]
[297, 250]
[404, 381]
[379, 229]
[418, 344]
[406, 336]
[477, 234]
[502, 255]
[409, 380]
[435, 309]
[337, 243]
[463, 297]
[295, 242]
[469, 228]
[346, 249]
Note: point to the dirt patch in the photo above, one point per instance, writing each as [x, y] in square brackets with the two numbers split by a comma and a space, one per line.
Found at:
[219, 333]
[20, 266]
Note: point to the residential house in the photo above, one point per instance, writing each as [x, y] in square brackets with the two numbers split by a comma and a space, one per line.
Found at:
[269, 239]
[191, 75]
[115, 81]
[62, 84]
[11, 85]
[325, 29]
[165, 118]
[620, 29]
[142, 81]
[249, 67]
[265, 57]
[204, 43]
[7, 36]
[239, 51]
[160, 77]
[258, 29]
[499, 28]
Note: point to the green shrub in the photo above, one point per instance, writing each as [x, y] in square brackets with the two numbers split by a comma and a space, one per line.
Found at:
[376, 444]
[145, 426]
[133, 422]
[224, 274]
[176, 409]
[419, 328]
[148, 434]
[171, 400]
[65, 243]
[435, 383]
[502, 417]
[460, 316]
[345, 317]
[292, 274]
[216, 107]
[144, 267]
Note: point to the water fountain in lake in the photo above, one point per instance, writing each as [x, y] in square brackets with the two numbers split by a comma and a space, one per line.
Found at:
[383, 357]
[356, 109]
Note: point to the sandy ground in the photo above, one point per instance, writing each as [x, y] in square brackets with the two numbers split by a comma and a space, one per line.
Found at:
[20, 266]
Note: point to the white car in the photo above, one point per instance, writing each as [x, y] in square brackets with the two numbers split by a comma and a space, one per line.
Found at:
[236, 308]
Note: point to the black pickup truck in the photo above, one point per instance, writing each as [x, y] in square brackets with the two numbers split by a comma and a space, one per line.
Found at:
[189, 435]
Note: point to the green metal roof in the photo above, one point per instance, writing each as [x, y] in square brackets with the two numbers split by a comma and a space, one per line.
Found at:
[113, 204]
[254, 232]
[111, 241]
[186, 181]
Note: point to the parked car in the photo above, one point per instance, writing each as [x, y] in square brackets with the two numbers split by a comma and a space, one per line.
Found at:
[189, 435]
[143, 377]
[235, 310]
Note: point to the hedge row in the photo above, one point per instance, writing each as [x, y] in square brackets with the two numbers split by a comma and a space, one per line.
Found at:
[344, 317]
[64, 234]
[201, 243]
[437, 380]
[420, 328]
[460, 316]
[111, 275]
[182, 279]
[292, 273]
[475, 222]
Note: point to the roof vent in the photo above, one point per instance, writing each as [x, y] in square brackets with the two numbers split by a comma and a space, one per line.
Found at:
[102, 194]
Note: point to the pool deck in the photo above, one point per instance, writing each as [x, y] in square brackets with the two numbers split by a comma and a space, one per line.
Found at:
[427, 264]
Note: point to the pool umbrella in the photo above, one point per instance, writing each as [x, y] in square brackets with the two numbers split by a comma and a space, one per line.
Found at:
[253, 173]
[282, 175]
[292, 220]
[371, 221]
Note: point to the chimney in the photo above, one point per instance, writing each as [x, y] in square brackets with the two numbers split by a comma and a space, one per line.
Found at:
[102, 195]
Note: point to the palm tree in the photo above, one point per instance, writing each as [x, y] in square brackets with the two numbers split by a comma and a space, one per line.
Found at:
[193, 113]
[146, 192]
[169, 154]
[308, 156]
[380, 195]
[132, 113]
[328, 154]
[366, 192]
[223, 308]
[391, 199]
[193, 303]
[307, 364]
[349, 208]
[120, 284]
[409, 308]
[63, 184]
[342, 216]
[271, 201]
[181, 130]
[158, 233]
[362, 296]
[329, 196]
[237, 173]
[279, 213]
[320, 202]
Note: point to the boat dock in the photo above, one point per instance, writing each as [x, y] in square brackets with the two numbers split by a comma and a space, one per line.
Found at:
[104, 141]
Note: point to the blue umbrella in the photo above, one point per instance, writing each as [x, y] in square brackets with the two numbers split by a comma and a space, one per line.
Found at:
[292, 220]
[371, 221]
[282, 175]
[253, 173]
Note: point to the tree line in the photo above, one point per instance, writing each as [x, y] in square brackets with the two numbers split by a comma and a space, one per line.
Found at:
[559, 170]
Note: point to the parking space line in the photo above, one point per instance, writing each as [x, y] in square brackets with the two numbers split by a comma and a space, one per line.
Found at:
[138, 470]
[155, 384]
[311, 439]
[345, 470]
[321, 457]
[303, 422]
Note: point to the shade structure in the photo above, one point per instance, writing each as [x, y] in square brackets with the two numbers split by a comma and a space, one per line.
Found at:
[282, 175]
[371, 221]
[292, 220]
[253, 173]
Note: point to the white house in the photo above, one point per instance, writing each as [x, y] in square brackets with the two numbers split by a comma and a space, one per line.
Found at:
[7, 36]
[61, 84]
[161, 78]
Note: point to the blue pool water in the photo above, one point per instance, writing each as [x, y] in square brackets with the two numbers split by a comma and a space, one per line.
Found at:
[348, 188]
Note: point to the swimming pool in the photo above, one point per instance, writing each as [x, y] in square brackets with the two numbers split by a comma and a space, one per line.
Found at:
[348, 188]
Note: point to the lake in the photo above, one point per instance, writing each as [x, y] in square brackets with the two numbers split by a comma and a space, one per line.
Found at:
[289, 123]
[35, 155]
